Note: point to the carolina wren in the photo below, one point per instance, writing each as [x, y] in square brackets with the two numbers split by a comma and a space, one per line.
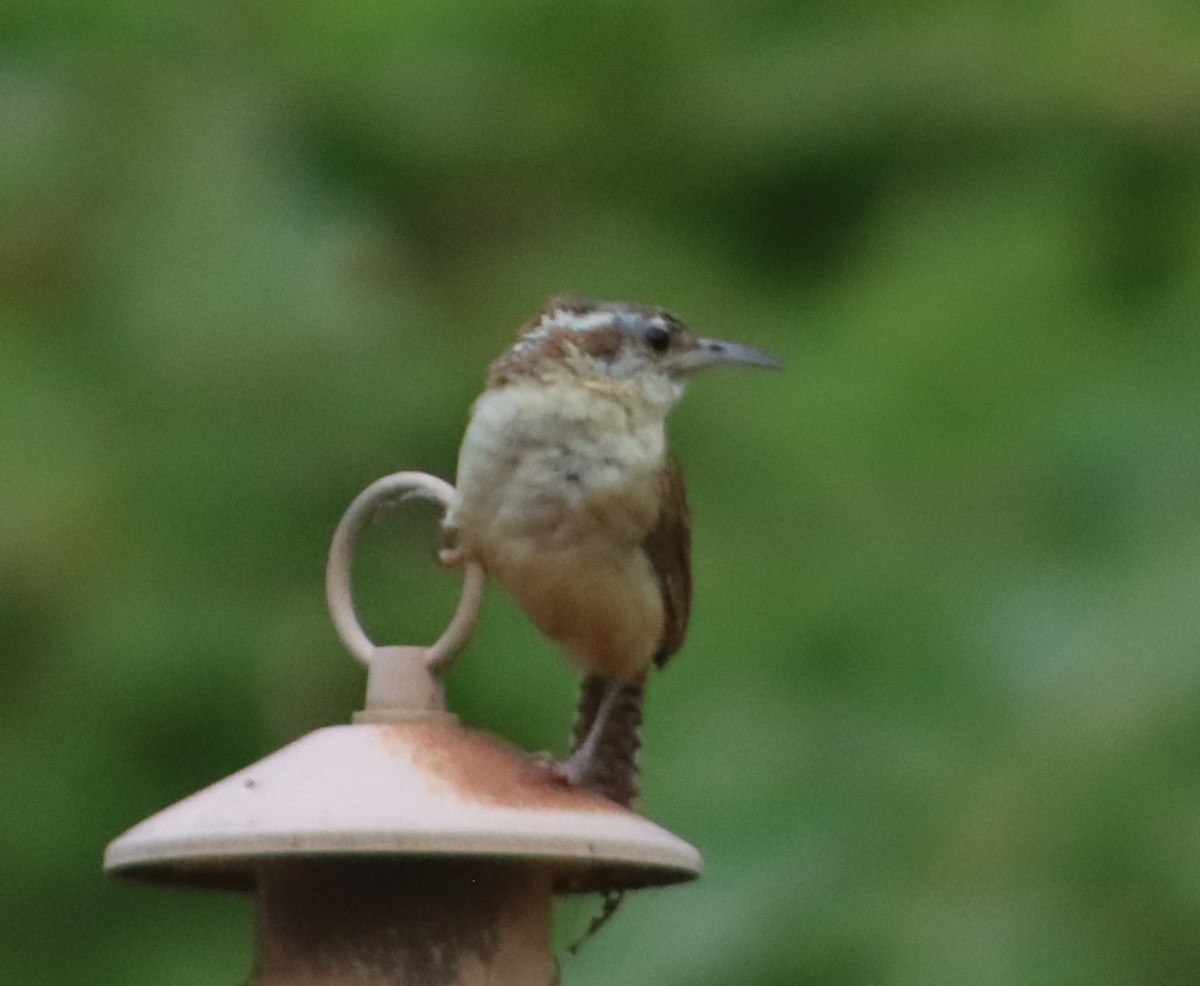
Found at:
[569, 497]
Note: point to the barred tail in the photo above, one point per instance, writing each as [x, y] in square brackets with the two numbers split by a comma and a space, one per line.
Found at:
[613, 770]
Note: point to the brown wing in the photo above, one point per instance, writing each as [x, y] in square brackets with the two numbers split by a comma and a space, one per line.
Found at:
[669, 547]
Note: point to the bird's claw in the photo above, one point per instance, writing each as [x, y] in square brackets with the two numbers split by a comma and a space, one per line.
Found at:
[572, 771]
[558, 771]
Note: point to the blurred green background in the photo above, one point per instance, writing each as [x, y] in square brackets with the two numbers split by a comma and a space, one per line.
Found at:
[938, 720]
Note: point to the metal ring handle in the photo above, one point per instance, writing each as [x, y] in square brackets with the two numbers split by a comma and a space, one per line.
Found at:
[338, 591]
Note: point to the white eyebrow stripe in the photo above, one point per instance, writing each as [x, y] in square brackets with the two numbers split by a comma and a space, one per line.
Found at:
[580, 321]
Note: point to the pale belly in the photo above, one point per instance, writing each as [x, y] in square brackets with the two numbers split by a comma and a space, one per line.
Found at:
[555, 502]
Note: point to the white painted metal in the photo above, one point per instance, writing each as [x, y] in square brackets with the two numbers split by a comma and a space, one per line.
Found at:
[422, 787]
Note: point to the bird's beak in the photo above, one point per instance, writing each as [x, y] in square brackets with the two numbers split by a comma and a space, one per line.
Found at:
[718, 352]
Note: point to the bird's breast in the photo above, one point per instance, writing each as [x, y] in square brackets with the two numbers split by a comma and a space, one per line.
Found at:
[545, 467]
[558, 488]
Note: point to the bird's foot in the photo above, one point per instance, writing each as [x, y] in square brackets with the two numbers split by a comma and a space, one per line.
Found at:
[451, 557]
[574, 770]
[571, 772]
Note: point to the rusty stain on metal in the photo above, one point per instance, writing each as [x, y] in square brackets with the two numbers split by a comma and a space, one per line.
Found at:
[481, 768]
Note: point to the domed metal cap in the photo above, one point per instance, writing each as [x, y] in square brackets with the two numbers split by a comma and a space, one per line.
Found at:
[421, 788]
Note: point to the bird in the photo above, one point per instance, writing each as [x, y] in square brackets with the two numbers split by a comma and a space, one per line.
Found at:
[569, 497]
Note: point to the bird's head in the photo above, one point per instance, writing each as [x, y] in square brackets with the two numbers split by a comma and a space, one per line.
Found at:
[637, 345]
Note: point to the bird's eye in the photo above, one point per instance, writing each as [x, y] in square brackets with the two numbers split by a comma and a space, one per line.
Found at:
[658, 338]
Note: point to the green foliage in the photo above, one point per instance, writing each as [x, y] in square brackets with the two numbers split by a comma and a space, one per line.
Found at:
[937, 718]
